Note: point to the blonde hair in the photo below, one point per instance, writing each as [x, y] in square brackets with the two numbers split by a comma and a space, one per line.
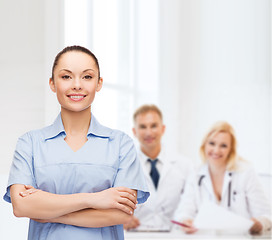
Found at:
[145, 109]
[218, 127]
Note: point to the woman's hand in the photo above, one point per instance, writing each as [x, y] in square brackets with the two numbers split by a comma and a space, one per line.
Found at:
[190, 229]
[256, 228]
[122, 198]
[28, 191]
[132, 223]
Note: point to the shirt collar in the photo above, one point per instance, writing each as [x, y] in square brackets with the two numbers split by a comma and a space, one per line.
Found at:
[55, 129]
[99, 130]
[95, 129]
[160, 157]
[204, 171]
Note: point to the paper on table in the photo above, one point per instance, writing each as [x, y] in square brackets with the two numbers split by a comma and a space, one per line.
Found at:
[212, 216]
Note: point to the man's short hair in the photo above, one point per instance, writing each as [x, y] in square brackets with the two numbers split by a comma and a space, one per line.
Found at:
[145, 109]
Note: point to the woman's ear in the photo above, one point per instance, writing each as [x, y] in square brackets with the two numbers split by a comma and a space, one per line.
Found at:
[99, 84]
[52, 85]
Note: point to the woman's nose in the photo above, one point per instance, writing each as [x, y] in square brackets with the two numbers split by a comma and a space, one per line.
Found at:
[77, 84]
[216, 149]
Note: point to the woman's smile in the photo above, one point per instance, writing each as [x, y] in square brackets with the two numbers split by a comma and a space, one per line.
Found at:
[76, 97]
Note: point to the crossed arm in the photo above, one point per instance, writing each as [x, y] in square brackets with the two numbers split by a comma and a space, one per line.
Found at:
[109, 207]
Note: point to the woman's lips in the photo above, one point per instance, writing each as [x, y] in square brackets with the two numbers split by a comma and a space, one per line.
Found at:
[77, 97]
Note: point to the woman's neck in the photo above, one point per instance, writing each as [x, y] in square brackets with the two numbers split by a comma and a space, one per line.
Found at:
[216, 171]
[217, 174]
[76, 122]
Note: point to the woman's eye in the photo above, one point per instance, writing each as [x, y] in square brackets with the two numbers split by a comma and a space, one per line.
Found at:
[65, 77]
[211, 143]
[224, 145]
[88, 77]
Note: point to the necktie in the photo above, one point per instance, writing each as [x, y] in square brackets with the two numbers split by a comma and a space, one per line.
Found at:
[154, 174]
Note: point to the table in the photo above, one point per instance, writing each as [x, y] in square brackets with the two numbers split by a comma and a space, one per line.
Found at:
[178, 235]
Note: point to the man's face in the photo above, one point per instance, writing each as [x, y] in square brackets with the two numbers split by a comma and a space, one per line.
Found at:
[149, 129]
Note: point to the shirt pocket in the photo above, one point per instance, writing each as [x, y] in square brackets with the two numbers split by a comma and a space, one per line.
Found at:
[239, 203]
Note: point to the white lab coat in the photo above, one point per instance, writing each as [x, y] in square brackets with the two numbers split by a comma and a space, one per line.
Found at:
[246, 196]
[157, 212]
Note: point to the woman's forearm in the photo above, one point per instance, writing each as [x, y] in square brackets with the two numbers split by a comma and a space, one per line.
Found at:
[94, 218]
[44, 205]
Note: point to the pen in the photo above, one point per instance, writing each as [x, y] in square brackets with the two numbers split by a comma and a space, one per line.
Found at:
[180, 224]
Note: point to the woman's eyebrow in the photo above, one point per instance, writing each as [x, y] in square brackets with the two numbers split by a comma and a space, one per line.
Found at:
[89, 69]
[66, 70]
[86, 70]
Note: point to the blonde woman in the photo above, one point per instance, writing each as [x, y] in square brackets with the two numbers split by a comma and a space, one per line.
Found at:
[226, 180]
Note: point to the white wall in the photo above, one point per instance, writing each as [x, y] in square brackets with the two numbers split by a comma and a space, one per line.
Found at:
[21, 63]
[220, 71]
[29, 42]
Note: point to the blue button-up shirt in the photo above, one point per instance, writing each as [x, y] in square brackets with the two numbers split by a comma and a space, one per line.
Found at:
[44, 160]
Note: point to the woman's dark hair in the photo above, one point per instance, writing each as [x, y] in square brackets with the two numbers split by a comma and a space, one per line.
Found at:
[74, 48]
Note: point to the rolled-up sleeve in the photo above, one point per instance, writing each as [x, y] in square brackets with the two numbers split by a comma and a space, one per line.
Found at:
[188, 207]
[130, 173]
[21, 171]
[258, 204]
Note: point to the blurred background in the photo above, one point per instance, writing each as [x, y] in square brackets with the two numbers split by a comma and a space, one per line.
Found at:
[200, 61]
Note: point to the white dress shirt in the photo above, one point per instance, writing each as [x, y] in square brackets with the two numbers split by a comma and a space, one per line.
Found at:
[157, 212]
[245, 196]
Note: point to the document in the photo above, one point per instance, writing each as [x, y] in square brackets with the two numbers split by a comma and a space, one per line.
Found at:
[212, 216]
[150, 229]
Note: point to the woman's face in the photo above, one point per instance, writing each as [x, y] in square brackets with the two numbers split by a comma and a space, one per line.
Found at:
[75, 81]
[217, 149]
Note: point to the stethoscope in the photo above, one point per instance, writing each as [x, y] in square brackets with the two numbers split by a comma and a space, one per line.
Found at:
[229, 187]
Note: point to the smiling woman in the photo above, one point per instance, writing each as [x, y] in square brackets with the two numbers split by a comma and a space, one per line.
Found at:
[220, 145]
[225, 179]
[217, 148]
[76, 80]
[75, 178]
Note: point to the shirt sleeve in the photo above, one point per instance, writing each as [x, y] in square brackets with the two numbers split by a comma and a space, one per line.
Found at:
[130, 173]
[21, 171]
[188, 207]
[258, 204]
